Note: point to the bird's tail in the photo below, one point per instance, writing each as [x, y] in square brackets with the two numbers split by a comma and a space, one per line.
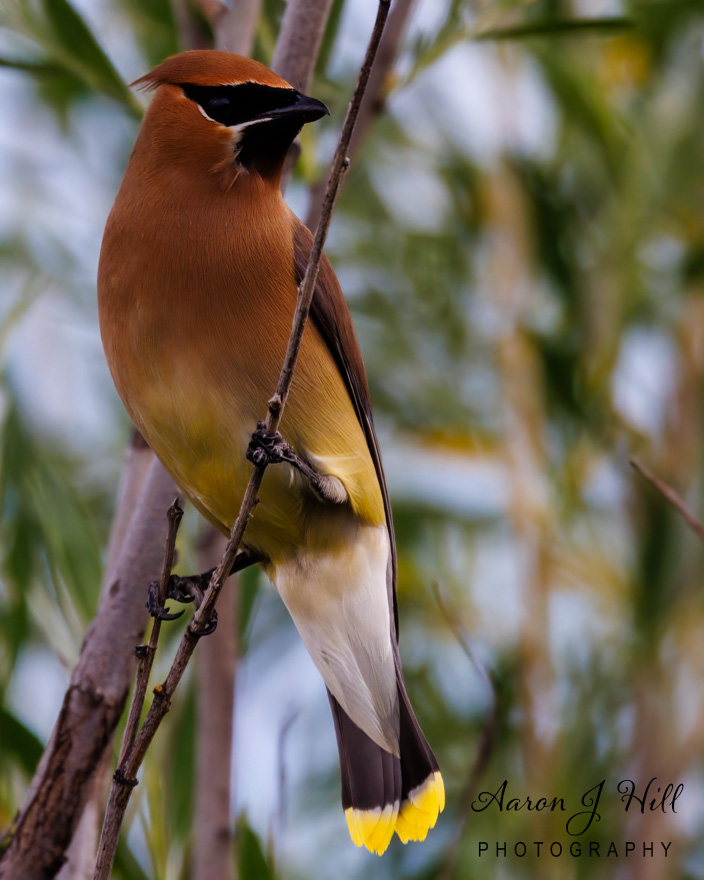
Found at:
[382, 793]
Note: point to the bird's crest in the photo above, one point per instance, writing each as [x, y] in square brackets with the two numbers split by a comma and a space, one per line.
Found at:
[209, 67]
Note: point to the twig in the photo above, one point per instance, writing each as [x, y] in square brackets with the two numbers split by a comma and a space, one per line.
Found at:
[145, 653]
[671, 497]
[120, 793]
[486, 742]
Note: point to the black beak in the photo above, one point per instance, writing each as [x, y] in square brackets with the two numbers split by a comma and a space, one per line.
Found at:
[302, 110]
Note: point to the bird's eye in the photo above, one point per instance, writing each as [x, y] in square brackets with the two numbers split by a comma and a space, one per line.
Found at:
[219, 103]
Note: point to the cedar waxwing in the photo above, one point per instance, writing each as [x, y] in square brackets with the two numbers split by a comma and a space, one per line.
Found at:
[197, 286]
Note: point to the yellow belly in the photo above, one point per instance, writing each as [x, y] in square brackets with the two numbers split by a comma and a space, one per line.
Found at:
[199, 421]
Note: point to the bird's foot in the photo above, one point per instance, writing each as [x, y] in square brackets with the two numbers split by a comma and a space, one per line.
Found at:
[265, 448]
[192, 589]
[184, 590]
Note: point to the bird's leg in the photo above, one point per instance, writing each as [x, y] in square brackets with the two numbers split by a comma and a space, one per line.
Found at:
[192, 589]
[265, 448]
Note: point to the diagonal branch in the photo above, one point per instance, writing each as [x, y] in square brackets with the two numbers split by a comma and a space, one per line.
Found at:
[120, 792]
[671, 497]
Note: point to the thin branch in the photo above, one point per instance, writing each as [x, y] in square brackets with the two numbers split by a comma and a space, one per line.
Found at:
[119, 792]
[145, 659]
[671, 497]
[145, 653]
[486, 742]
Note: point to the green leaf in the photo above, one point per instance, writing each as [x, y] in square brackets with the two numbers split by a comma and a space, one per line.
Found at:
[126, 865]
[252, 862]
[67, 41]
[427, 51]
[180, 773]
[558, 28]
[19, 742]
[155, 27]
[248, 593]
[83, 52]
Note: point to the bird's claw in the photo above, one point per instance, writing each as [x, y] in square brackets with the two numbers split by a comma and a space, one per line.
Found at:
[156, 609]
[180, 589]
[265, 448]
[209, 629]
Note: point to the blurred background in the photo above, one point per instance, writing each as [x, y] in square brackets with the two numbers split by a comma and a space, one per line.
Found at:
[521, 242]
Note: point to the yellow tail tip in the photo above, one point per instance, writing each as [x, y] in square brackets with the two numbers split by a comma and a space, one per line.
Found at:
[372, 829]
[411, 820]
[419, 812]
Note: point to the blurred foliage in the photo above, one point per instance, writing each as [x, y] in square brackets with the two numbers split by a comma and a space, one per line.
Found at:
[521, 241]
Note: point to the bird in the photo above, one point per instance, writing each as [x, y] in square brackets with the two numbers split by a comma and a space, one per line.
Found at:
[197, 283]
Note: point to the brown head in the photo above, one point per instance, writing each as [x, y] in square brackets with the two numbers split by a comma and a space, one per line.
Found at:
[215, 111]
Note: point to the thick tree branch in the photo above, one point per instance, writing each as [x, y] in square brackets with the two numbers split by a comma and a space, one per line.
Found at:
[120, 793]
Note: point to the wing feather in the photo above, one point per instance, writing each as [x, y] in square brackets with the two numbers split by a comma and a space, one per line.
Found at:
[331, 316]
